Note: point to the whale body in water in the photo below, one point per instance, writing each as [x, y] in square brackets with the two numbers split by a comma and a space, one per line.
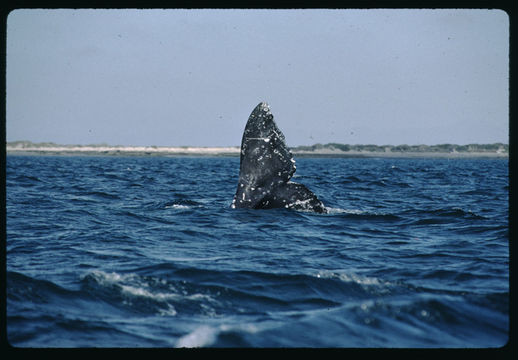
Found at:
[266, 167]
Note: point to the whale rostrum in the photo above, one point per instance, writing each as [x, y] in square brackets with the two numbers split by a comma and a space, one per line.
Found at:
[266, 167]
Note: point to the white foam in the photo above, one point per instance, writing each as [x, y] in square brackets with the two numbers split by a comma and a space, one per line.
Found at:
[201, 336]
[132, 287]
[170, 311]
[331, 210]
[178, 207]
[349, 277]
[140, 291]
[105, 278]
[205, 335]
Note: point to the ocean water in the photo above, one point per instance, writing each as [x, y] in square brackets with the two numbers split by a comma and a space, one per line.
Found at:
[145, 252]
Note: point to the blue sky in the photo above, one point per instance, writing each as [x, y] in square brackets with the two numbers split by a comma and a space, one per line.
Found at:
[192, 77]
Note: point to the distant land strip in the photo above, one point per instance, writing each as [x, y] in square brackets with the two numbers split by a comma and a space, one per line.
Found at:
[317, 150]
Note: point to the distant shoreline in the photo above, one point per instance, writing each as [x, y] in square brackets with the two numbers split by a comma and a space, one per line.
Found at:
[318, 150]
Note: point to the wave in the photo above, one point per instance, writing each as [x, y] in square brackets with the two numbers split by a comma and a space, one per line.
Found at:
[456, 212]
[21, 287]
[415, 216]
[168, 289]
[440, 216]
[246, 308]
[351, 179]
[102, 195]
[362, 214]
[25, 180]
[181, 204]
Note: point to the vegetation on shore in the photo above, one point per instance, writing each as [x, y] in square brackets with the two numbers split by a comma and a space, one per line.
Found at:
[441, 148]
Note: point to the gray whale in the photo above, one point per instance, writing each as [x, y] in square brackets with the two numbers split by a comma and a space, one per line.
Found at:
[266, 167]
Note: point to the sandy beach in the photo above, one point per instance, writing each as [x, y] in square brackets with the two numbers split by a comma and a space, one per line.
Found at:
[22, 148]
[122, 150]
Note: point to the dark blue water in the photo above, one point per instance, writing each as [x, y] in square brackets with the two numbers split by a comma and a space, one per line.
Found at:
[145, 251]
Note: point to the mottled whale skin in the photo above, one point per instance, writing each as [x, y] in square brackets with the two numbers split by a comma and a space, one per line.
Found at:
[266, 167]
